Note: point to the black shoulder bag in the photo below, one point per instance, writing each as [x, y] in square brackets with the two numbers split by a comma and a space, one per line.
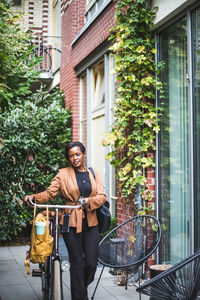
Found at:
[103, 213]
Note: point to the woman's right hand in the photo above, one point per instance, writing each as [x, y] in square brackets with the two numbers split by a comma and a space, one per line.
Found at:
[26, 199]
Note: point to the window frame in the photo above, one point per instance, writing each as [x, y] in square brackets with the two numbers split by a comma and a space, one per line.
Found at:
[188, 13]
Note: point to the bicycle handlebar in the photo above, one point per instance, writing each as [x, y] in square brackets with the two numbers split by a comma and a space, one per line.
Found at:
[54, 206]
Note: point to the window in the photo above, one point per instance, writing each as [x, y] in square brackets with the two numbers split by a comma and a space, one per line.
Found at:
[93, 10]
[179, 139]
[98, 88]
[83, 109]
[196, 96]
[89, 3]
[97, 94]
[174, 198]
[92, 7]
[98, 111]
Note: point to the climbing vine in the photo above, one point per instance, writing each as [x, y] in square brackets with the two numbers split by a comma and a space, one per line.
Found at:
[133, 133]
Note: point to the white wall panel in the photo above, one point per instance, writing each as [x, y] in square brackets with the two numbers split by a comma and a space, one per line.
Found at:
[168, 9]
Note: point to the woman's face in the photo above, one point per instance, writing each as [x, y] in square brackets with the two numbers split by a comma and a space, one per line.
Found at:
[76, 157]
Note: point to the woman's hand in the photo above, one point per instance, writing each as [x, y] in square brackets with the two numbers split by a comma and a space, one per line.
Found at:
[26, 199]
[87, 203]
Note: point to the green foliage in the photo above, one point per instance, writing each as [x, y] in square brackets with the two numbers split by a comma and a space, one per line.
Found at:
[17, 72]
[32, 139]
[34, 126]
[133, 133]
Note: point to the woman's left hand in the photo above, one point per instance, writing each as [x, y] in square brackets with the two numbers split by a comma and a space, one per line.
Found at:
[87, 203]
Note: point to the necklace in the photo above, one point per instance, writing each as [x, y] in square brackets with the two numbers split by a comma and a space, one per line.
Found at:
[82, 176]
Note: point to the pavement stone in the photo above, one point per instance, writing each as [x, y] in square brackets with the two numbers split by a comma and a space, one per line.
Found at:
[16, 285]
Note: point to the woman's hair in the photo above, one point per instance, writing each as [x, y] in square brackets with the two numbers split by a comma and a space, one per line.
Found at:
[71, 145]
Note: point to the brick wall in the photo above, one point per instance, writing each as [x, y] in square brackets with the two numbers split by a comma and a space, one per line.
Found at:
[96, 34]
[37, 13]
[126, 210]
[151, 186]
[39, 18]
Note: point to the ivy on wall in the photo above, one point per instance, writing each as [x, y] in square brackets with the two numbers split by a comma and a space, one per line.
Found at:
[133, 133]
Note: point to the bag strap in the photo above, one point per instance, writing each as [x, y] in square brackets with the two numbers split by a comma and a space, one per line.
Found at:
[27, 263]
[92, 171]
[47, 214]
[34, 213]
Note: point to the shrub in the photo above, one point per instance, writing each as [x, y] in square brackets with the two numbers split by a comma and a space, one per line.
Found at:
[32, 139]
[17, 69]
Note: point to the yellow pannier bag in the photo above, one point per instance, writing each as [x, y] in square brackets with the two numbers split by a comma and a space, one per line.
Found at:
[41, 244]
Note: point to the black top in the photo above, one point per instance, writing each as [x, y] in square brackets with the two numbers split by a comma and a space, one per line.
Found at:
[84, 183]
[85, 189]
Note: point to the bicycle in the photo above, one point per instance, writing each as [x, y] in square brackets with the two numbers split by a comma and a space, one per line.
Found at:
[51, 270]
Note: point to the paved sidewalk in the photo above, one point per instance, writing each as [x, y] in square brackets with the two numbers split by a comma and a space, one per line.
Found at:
[16, 285]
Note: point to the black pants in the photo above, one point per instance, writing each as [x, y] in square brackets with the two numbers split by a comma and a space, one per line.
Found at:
[83, 257]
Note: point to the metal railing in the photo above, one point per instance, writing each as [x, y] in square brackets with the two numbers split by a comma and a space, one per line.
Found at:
[47, 48]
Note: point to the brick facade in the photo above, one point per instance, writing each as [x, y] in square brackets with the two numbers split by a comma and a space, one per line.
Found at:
[126, 210]
[74, 53]
[95, 35]
[72, 23]
[38, 17]
[73, 11]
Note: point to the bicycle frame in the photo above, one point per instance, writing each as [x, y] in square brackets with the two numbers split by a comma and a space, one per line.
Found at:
[52, 267]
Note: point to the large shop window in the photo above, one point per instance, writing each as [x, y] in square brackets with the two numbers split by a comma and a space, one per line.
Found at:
[179, 139]
[196, 96]
[173, 146]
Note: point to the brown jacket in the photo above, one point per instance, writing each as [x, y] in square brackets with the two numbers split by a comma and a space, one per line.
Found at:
[65, 181]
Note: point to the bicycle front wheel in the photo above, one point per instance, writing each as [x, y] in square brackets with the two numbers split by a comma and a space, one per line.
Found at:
[57, 285]
[45, 277]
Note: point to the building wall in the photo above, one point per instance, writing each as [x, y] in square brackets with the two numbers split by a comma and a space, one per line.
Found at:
[38, 15]
[72, 55]
[43, 18]
[126, 209]
[165, 11]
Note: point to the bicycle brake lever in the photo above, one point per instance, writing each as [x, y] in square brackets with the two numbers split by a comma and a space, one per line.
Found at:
[30, 200]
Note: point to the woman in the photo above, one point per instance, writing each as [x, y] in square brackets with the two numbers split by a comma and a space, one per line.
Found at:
[82, 239]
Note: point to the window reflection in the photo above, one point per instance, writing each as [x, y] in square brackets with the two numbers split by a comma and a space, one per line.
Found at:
[196, 85]
[173, 142]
